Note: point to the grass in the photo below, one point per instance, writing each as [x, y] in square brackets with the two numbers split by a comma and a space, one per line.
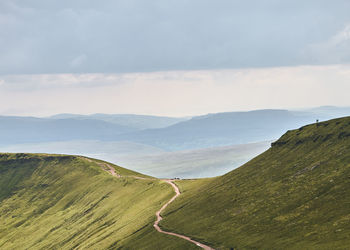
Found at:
[293, 196]
[66, 202]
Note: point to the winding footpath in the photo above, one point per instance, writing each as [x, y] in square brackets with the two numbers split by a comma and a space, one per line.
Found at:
[108, 168]
[159, 218]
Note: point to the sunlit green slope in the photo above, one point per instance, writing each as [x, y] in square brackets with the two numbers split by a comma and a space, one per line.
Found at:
[296, 195]
[68, 202]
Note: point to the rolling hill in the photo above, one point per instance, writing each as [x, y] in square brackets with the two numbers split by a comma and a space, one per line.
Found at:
[222, 129]
[293, 196]
[165, 133]
[14, 130]
[70, 202]
[128, 120]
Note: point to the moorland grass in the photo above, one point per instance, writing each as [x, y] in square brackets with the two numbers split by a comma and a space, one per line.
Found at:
[294, 196]
[67, 202]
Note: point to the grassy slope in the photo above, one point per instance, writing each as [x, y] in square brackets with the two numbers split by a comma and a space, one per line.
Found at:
[65, 202]
[295, 196]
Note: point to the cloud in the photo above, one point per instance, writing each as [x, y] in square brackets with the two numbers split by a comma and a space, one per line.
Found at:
[176, 93]
[83, 36]
[78, 61]
[341, 37]
[37, 82]
[335, 49]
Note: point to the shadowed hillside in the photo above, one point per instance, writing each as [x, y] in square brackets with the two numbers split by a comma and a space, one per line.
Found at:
[295, 195]
[66, 202]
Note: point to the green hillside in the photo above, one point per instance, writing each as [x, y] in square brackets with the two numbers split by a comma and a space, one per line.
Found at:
[296, 195]
[66, 202]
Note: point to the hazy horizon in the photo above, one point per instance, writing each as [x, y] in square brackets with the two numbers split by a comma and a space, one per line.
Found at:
[185, 116]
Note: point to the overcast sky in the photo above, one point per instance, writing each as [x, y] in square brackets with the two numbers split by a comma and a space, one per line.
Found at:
[89, 36]
[86, 50]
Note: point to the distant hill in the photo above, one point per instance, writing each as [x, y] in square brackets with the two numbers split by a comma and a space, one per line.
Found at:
[105, 150]
[128, 120]
[15, 130]
[225, 129]
[293, 196]
[166, 133]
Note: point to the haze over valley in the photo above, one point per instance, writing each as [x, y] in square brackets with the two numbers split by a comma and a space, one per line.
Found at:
[165, 147]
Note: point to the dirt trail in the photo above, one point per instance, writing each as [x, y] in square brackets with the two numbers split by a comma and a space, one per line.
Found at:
[111, 170]
[108, 168]
[159, 218]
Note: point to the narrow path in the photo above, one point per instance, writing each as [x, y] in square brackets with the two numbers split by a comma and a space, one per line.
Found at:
[108, 168]
[159, 218]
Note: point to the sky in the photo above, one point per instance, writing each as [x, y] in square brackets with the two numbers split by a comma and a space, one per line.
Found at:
[176, 93]
[172, 57]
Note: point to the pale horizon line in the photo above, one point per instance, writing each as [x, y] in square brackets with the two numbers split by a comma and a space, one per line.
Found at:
[306, 108]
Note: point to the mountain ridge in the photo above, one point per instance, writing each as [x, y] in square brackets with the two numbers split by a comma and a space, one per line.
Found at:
[293, 196]
[64, 202]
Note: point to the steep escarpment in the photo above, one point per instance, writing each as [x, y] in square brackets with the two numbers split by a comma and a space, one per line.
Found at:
[295, 195]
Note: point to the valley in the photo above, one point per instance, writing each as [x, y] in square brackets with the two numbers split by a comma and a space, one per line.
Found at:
[189, 147]
[294, 195]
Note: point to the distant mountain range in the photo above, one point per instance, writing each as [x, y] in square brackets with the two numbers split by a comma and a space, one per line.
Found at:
[222, 129]
[14, 130]
[166, 133]
[229, 128]
[128, 120]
